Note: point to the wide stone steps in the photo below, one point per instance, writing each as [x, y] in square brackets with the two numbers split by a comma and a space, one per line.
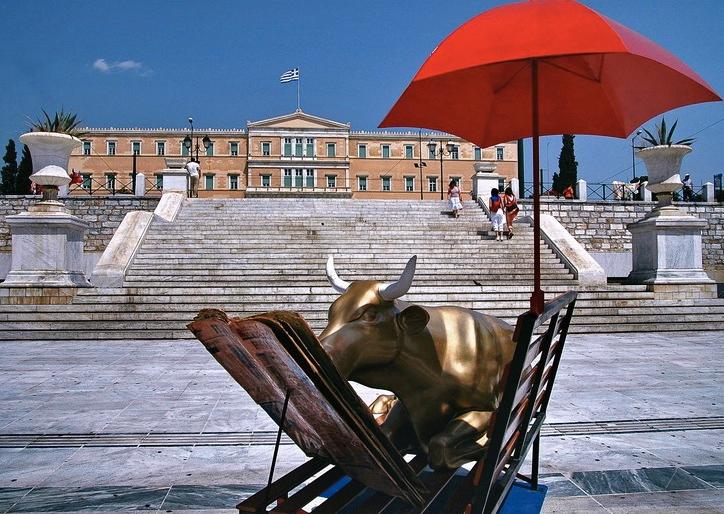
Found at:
[255, 255]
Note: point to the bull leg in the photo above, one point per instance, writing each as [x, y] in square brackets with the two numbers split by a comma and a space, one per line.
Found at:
[463, 440]
[398, 427]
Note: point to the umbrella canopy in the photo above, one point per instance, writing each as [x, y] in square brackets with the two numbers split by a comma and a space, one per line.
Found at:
[544, 67]
[595, 76]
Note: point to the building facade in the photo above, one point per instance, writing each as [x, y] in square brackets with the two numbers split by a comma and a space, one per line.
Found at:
[294, 154]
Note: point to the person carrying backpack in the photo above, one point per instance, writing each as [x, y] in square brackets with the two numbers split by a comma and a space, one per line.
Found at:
[497, 216]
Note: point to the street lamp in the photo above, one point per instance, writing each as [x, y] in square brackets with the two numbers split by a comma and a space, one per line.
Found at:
[449, 147]
[189, 141]
[633, 153]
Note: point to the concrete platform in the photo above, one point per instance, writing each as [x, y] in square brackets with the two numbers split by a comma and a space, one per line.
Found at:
[636, 424]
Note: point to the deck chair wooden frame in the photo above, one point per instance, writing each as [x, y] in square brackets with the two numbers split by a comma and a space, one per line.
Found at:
[483, 490]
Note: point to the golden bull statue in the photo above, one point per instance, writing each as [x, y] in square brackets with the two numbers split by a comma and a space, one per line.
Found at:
[445, 365]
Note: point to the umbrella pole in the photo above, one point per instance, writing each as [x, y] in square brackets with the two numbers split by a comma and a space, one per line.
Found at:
[537, 299]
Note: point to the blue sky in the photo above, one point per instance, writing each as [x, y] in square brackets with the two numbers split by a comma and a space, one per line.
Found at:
[153, 63]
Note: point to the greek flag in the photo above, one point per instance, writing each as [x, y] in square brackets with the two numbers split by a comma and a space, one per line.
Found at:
[290, 75]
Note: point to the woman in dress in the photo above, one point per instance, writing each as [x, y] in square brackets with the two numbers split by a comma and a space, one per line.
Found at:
[497, 216]
[510, 203]
[453, 198]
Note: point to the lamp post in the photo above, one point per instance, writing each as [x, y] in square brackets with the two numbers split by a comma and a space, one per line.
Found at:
[448, 150]
[633, 153]
[189, 141]
[420, 164]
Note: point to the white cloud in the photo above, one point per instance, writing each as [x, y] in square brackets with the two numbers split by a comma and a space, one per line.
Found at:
[129, 65]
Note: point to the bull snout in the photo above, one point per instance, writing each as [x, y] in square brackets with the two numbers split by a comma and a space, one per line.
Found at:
[342, 355]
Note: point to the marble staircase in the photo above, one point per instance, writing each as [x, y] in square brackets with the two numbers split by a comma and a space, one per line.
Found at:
[254, 255]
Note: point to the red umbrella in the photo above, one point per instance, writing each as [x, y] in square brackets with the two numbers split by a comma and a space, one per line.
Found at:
[544, 67]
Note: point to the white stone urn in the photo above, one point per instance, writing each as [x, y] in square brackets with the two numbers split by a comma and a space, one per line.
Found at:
[50, 152]
[663, 164]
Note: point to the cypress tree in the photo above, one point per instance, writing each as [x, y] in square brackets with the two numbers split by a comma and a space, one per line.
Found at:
[25, 169]
[10, 169]
[567, 166]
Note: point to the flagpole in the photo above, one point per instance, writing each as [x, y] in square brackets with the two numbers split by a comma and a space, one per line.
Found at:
[299, 79]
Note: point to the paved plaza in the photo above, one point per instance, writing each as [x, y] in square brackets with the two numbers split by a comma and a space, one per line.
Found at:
[636, 424]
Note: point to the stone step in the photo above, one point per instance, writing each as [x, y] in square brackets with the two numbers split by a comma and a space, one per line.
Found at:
[468, 300]
[96, 334]
[186, 313]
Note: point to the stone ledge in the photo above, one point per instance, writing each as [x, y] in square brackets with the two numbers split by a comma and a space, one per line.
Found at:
[37, 295]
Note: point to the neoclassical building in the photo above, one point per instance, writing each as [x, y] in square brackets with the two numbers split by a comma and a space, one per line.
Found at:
[294, 154]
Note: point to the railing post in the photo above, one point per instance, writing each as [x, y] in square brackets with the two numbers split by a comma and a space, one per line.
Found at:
[582, 190]
[709, 196]
[139, 188]
[515, 186]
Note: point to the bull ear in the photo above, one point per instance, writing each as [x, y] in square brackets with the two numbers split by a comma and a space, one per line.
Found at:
[413, 319]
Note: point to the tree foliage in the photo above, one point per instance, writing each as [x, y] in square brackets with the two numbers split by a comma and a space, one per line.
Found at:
[10, 169]
[25, 169]
[62, 122]
[567, 166]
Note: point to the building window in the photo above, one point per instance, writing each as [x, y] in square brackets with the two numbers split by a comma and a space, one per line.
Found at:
[432, 184]
[233, 148]
[409, 152]
[288, 147]
[455, 152]
[111, 147]
[87, 181]
[135, 147]
[385, 151]
[310, 147]
[111, 181]
[431, 152]
[233, 181]
[409, 183]
[298, 178]
[386, 183]
[287, 177]
[86, 147]
[265, 180]
[210, 152]
[361, 183]
[331, 181]
[266, 148]
[499, 153]
[459, 181]
[184, 151]
[309, 178]
[298, 147]
[362, 151]
[478, 153]
[160, 148]
[209, 182]
[159, 182]
[331, 150]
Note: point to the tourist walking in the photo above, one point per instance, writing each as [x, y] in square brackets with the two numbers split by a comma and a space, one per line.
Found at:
[194, 171]
[688, 188]
[510, 204]
[497, 216]
[453, 198]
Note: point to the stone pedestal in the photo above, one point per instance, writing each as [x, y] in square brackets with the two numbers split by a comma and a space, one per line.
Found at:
[47, 249]
[667, 248]
[484, 180]
[175, 180]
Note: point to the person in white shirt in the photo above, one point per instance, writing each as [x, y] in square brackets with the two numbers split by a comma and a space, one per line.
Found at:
[194, 171]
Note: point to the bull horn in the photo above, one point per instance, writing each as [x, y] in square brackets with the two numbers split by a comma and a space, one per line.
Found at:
[392, 291]
[338, 284]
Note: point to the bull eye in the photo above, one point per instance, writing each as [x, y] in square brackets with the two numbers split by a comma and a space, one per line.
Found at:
[369, 314]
